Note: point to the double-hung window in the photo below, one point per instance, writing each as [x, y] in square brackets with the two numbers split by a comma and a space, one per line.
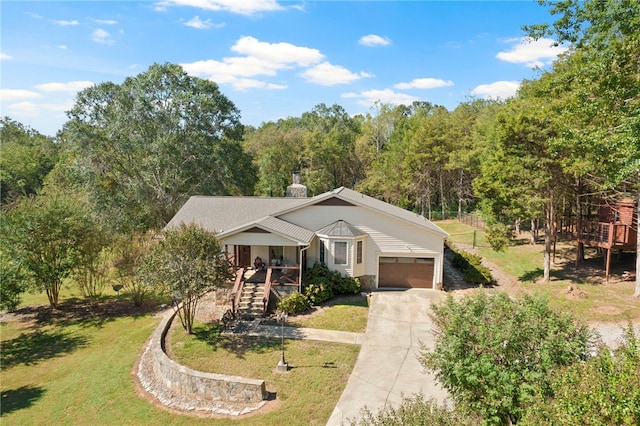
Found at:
[340, 253]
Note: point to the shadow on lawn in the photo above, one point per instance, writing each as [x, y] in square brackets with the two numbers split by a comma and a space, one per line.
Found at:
[31, 348]
[591, 270]
[85, 312]
[237, 344]
[17, 399]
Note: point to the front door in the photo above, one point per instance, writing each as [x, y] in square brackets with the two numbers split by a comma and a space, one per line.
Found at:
[244, 256]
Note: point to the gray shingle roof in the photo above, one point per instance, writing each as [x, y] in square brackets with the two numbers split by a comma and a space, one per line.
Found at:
[226, 214]
[340, 228]
[219, 214]
[287, 229]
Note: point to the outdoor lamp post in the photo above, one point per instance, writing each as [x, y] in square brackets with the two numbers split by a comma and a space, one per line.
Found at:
[282, 364]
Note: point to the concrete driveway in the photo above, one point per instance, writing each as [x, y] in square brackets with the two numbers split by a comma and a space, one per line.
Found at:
[387, 367]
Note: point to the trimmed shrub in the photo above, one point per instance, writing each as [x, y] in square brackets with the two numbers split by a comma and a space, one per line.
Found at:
[321, 284]
[318, 293]
[294, 303]
[472, 268]
[346, 285]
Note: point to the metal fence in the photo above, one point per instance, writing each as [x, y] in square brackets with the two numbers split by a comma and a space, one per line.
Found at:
[473, 220]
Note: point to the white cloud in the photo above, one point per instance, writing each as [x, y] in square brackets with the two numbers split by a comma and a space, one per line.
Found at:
[71, 86]
[424, 83]
[374, 40]
[231, 67]
[5, 57]
[12, 94]
[63, 107]
[62, 46]
[23, 109]
[280, 53]
[370, 97]
[247, 83]
[244, 7]
[532, 53]
[497, 90]
[327, 74]
[105, 21]
[65, 23]
[261, 58]
[198, 23]
[101, 36]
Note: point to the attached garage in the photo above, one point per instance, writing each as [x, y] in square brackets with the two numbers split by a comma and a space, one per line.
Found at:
[405, 272]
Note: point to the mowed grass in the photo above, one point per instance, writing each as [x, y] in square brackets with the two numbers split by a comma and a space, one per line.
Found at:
[601, 301]
[80, 372]
[74, 373]
[343, 314]
[305, 395]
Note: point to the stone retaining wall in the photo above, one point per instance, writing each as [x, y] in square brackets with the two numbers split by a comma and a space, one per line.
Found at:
[190, 383]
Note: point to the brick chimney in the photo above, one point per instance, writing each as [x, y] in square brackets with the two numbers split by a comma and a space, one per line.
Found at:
[296, 189]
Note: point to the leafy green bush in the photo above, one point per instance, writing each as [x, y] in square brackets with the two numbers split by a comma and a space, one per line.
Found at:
[293, 303]
[318, 293]
[492, 353]
[321, 284]
[472, 268]
[605, 390]
[346, 285]
[416, 410]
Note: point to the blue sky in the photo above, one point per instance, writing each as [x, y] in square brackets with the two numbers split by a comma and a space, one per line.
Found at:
[273, 59]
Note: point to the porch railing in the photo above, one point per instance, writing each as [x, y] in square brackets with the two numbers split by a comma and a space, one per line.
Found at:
[607, 234]
[236, 293]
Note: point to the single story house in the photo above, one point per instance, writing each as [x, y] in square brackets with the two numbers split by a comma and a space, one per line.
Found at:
[359, 236]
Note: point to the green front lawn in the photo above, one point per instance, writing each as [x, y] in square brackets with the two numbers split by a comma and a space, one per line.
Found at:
[344, 313]
[307, 393]
[77, 369]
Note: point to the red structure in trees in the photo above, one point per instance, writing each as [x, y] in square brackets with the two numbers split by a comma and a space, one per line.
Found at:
[615, 228]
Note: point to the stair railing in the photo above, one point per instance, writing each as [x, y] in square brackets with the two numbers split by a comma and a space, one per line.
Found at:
[236, 293]
[267, 293]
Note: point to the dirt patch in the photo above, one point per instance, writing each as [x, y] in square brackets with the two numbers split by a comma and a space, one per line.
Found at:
[573, 292]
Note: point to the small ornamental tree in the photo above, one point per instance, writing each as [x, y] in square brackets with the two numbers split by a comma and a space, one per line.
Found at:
[186, 263]
[46, 238]
[492, 353]
[129, 253]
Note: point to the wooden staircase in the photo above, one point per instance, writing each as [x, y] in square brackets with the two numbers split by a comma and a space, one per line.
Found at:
[251, 301]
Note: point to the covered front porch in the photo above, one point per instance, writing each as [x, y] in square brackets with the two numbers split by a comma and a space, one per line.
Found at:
[268, 252]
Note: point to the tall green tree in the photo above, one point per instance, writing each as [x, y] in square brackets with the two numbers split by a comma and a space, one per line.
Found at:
[603, 72]
[520, 175]
[186, 263]
[144, 146]
[330, 148]
[427, 157]
[45, 238]
[278, 150]
[26, 157]
[463, 163]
